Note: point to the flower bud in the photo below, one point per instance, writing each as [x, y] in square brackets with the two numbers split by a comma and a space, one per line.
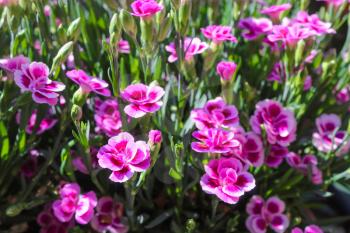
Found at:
[62, 55]
[299, 52]
[128, 23]
[114, 25]
[147, 34]
[164, 28]
[79, 97]
[73, 31]
[184, 16]
[76, 112]
[154, 137]
[226, 70]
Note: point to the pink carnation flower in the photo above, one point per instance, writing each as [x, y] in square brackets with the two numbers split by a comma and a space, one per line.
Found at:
[50, 224]
[13, 64]
[215, 141]
[154, 137]
[278, 73]
[123, 156]
[8, 2]
[228, 179]
[218, 33]
[88, 84]
[289, 35]
[278, 122]
[254, 27]
[313, 24]
[72, 203]
[253, 150]
[191, 47]
[215, 114]
[107, 117]
[145, 8]
[308, 229]
[328, 136]
[47, 10]
[276, 156]
[79, 164]
[44, 125]
[143, 99]
[35, 78]
[226, 70]
[108, 217]
[266, 214]
[343, 95]
[123, 46]
[275, 11]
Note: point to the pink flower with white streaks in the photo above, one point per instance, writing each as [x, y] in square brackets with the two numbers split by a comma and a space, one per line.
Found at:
[108, 217]
[35, 78]
[228, 179]
[308, 229]
[215, 114]
[50, 224]
[73, 204]
[143, 99]
[107, 117]
[343, 95]
[145, 8]
[226, 70]
[253, 149]
[289, 35]
[123, 46]
[215, 141]
[266, 214]
[88, 83]
[218, 33]
[277, 73]
[254, 27]
[13, 64]
[154, 137]
[306, 165]
[190, 47]
[276, 156]
[279, 123]
[45, 124]
[313, 24]
[275, 11]
[123, 156]
[328, 136]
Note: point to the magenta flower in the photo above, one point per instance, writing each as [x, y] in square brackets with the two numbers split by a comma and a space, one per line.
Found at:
[275, 11]
[79, 164]
[307, 83]
[145, 8]
[289, 35]
[226, 70]
[107, 117]
[108, 217]
[228, 179]
[215, 141]
[123, 156]
[254, 27]
[313, 24]
[13, 64]
[215, 114]
[72, 203]
[304, 165]
[276, 156]
[278, 73]
[278, 122]
[218, 33]
[50, 224]
[35, 78]
[143, 99]
[88, 84]
[343, 95]
[328, 136]
[45, 124]
[266, 214]
[253, 150]
[191, 47]
[308, 229]
[311, 56]
[154, 137]
[123, 46]
[47, 10]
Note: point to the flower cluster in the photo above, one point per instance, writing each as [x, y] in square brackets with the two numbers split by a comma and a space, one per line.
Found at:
[107, 117]
[306, 165]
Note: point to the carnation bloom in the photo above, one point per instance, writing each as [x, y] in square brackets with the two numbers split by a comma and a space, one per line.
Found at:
[277, 74]
[143, 99]
[254, 27]
[155, 137]
[228, 179]
[276, 155]
[328, 136]
[72, 203]
[123, 156]
[108, 217]
[312, 23]
[226, 70]
[275, 11]
[215, 114]
[266, 214]
[88, 84]
[343, 95]
[34, 77]
[123, 46]
[145, 8]
[289, 35]
[218, 33]
[45, 124]
[253, 149]
[47, 10]
[49, 223]
[278, 122]
[191, 47]
[215, 141]
[304, 165]
[308, 229]
[13, 64]
[107, 117]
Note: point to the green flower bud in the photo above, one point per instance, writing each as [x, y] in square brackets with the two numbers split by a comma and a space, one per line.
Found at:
[15, 210]
[128, 23]
[79, 97]
[184, 16]
[76, 113]
[115, 25]
[62, 55]
[299, 52]
[73, 31]
[147, 34]
[164, 28]
[61, 34]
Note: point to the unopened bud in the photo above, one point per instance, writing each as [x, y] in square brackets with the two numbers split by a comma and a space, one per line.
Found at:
[76, 113]
[164, 28]
[128, 23]
[154, 137]
[62, 55]
[184, 15]
[79, 97]
[73, 31]
[115, 25]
